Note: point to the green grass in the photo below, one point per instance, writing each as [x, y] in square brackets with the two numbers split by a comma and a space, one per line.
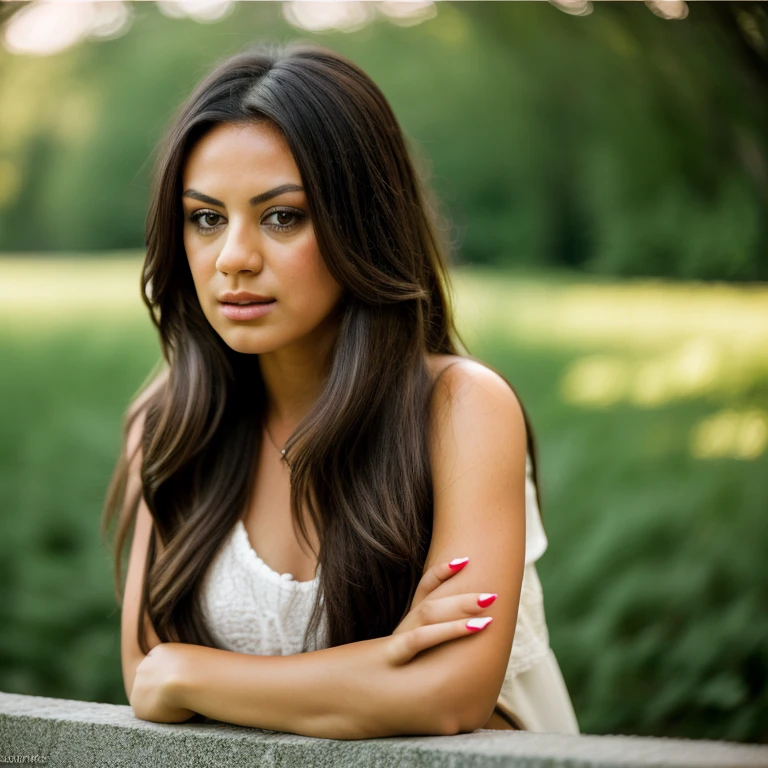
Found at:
[650, 406]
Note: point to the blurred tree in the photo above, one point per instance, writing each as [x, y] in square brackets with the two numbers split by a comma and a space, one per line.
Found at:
[618, 142]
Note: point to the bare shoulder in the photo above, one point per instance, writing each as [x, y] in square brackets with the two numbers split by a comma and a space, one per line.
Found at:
[469, 386]
[475, 417]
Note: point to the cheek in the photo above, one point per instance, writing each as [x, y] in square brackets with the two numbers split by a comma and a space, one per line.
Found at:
[309, 283]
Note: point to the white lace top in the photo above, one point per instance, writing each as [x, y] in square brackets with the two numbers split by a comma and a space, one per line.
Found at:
[249, 608]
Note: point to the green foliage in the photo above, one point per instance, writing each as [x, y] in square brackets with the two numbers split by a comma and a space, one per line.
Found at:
[654, 589]
[617, 143]
[64, 393]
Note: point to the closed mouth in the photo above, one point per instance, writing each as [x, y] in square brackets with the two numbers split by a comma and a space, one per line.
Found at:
[247, 303]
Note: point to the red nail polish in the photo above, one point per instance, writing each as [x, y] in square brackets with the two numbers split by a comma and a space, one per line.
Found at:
[475, 625]
[458, 564]
[486, 599]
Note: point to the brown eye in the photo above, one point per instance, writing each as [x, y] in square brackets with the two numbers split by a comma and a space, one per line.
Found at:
[207, 217]
[284, 219]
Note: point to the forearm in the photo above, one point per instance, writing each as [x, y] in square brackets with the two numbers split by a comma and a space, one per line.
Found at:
[335, 693]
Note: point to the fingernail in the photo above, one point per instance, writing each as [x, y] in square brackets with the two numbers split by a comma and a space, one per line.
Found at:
[477, 624]
[486, 598]
[458, 563]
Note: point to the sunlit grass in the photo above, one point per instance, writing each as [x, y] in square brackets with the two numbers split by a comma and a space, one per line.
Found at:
[38, 292]
[641, 315]
[731, 434]
[643, 343]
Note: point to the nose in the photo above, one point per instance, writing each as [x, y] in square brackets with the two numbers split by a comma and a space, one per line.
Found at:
[240, 252]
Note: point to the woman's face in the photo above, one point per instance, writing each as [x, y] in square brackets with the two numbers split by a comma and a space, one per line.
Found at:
[247, 228]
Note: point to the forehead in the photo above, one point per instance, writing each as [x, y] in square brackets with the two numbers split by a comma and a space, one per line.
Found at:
[236, 152]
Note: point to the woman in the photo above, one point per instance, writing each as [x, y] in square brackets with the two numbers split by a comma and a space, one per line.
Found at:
[318, 460]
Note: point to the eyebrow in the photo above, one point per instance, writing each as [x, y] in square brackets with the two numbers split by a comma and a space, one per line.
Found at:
[282, 189]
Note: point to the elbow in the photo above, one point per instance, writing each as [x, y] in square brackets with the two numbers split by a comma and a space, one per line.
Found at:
[465, 720]
[455, 715]
[469, 718]
[433, 705]
[454, 710]
[465, 711]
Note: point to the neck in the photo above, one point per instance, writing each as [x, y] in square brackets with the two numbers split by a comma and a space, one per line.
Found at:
[294, 377]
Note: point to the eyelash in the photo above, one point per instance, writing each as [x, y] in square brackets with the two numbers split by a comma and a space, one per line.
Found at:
[197, 215]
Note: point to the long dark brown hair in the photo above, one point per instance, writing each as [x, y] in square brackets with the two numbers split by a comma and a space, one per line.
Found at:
[359, 460]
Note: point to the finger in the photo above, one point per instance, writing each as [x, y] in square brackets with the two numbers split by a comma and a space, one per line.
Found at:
[405, 646]
[435, 576]
[441, 609]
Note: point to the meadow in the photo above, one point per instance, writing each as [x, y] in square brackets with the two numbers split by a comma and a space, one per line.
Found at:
[649, 403]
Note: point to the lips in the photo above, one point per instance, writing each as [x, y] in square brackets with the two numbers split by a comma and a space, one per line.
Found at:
[252, 311]
[235, 297]
[246, 303]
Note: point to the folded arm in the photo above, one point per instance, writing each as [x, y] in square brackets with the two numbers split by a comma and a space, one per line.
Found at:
[477, 450]
[345, 692]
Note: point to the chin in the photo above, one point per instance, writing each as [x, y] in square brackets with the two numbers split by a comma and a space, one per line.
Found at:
[246, 340]
[240, 342]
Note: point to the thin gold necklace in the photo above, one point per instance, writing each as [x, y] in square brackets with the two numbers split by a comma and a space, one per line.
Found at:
[281, 451]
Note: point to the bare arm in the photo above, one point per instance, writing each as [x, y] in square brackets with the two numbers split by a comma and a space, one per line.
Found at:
[346, 692]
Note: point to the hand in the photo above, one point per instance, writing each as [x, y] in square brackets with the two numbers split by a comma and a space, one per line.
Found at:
[153, 696]
[437, 620]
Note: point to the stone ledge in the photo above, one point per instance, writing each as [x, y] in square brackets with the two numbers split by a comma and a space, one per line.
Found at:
[64, 733]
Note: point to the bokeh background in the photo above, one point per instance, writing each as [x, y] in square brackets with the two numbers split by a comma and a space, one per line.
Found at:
[604, 169]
